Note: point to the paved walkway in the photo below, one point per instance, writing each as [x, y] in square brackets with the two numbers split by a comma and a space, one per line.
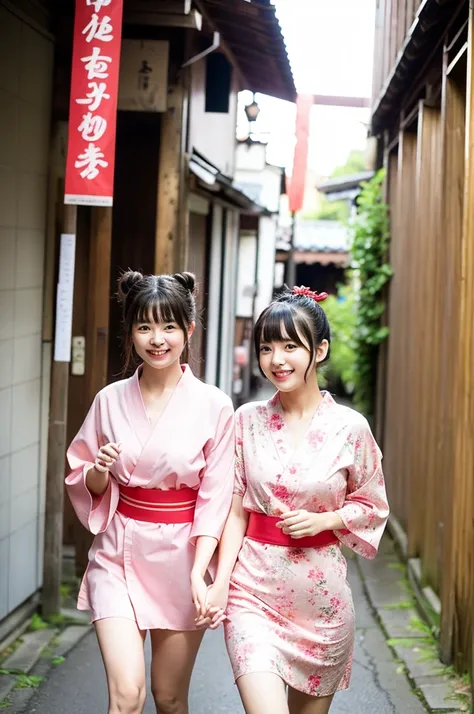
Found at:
[77, 686]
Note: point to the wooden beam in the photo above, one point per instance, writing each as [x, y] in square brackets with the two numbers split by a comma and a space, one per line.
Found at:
[453, 107]
[462, 466]
[53, 533]
[171, 181]
[97, 339]
[97, 333]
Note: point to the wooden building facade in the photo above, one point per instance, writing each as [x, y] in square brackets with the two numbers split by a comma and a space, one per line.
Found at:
[423, 116]
[175, 208]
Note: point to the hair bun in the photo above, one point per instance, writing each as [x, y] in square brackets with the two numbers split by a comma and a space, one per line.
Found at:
[127, 282]
[187, 280]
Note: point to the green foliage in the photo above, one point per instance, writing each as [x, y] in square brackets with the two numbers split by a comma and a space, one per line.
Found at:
[355, 315]
[37, 623]
[25, 681]
[328, 211]
[355, 164]
[342, 318]
[369, 243]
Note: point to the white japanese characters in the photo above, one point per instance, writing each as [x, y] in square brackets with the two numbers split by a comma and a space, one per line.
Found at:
[98, 4]
[93, 126]
[98, 29]
[91, 159]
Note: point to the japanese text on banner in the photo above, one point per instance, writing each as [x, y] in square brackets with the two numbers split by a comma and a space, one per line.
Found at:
[93, 105]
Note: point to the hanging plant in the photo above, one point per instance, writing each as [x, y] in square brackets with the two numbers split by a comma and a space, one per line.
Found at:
[370, 272]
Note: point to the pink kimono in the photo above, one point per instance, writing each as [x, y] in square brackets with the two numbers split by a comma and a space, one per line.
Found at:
[290, 608]
[138, 570]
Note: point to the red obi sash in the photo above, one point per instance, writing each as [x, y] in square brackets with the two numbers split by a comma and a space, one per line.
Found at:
[263, 529]
[156, 506]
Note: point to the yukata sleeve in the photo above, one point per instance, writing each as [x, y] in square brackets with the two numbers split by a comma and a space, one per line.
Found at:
[215, 491]
[94, 512]
[365, 510]
[240, 482]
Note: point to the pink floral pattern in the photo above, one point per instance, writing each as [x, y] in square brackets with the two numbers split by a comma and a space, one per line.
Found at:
[290, 609]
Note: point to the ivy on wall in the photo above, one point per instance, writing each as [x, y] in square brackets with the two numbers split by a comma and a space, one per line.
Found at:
[370, 272]
[355, 314]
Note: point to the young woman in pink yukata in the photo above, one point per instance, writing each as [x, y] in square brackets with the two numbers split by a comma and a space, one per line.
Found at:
[152, 478]
[308, 479]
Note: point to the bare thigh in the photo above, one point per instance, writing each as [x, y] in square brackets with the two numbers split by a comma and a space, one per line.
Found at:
[121, 645]
[300, 703]
[263, 693]
[173, 657]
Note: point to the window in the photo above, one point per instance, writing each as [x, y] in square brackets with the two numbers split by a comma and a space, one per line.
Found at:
[218, 80]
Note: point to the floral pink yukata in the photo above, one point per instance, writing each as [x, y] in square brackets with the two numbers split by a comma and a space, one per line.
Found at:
[138, 570]
[290, 609]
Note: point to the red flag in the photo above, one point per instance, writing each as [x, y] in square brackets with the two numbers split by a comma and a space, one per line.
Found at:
[304, 102]
[93, 102]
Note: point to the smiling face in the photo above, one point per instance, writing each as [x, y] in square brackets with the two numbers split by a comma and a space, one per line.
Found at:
[288, 347]
[159, 343]
[284, 363]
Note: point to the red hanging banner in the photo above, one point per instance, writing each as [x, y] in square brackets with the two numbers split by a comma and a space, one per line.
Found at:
[297, 183]
[93, 102]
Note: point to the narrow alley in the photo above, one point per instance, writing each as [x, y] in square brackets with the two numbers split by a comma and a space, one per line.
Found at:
[378, 686]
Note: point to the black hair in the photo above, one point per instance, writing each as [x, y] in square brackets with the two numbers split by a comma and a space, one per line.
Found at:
[161, 298]
[293, 317]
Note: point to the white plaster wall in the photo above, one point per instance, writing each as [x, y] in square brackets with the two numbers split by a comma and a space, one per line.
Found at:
[246, 274]
[212, 133]
[266, 262]
[26, 66]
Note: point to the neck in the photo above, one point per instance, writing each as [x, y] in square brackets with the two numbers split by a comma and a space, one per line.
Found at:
[303, 401]
[159, 380]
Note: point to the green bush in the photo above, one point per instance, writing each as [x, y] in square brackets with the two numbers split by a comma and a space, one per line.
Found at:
[342, 318]
[355, 315]
[370, 272]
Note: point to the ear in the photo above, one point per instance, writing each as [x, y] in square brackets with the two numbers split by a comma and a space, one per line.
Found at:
[191, 329]
[322, 351]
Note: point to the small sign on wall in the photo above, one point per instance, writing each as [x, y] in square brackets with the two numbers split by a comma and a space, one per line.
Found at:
[143, 85]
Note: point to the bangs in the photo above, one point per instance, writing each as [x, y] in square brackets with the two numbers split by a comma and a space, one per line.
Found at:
[278, 325]
[158, 307]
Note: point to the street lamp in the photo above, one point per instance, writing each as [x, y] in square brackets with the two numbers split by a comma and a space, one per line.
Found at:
[252, 111]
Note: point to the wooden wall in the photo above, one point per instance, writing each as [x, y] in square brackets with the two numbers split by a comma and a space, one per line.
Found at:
[394, 19]
[429, 409]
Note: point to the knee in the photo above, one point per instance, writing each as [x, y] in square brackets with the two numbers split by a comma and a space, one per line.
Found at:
[127, 698]
[167, 703]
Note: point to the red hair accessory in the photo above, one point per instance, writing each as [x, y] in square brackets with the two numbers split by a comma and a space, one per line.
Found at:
[307, 292]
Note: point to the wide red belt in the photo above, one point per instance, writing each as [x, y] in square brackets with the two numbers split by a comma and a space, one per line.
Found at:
[263, 528]
[156, 506]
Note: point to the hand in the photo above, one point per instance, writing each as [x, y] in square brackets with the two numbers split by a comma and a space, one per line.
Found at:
[217, 596]
[199, 594]
[301, 523]
[107, 456]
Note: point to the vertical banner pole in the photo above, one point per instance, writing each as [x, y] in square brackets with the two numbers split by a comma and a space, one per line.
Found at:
[53, 533]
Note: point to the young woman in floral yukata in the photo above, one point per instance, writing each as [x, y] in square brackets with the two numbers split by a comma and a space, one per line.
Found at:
[152, 478]
[308, 479]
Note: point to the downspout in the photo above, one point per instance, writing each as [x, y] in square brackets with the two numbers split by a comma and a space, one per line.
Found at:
[216, 43]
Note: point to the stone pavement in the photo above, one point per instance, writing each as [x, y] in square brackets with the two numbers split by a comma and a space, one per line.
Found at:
[395, 670]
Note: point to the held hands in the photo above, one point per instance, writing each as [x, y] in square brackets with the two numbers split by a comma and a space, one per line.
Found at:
[301, 523]
[107, 456]
[209, 601]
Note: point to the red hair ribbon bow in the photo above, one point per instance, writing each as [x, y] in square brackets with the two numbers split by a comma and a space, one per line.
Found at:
[307, 292]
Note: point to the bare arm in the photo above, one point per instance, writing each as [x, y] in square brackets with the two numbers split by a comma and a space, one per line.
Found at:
[97, 481]
[229, 548]
[231, 540]
[205, 547]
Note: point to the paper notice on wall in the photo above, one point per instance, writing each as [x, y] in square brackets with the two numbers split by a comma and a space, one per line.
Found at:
[64, 299]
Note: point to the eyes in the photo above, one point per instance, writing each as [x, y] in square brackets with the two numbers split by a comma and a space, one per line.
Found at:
[169, 327]
[289, 347]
